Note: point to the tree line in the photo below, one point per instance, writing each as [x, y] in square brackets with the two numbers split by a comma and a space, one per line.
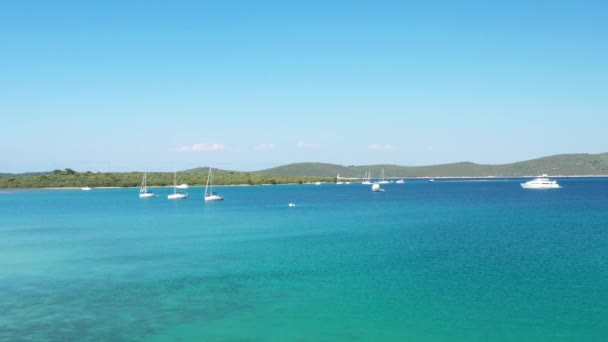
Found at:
[69, 178]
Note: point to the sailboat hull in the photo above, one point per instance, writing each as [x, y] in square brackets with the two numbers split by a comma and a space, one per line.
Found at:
[177, 196]
[214, 198]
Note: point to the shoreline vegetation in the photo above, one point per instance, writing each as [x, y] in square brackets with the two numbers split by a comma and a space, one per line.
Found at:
[564, 165]
[68, 178]
[61, 180]
[354, 181]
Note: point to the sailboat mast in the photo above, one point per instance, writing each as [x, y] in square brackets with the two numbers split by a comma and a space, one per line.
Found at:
[208, 176]
[174, 182]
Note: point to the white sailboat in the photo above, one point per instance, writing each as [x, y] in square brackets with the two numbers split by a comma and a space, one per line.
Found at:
[176, 194]
[338, 181]
[368, 179]
[382, 180]
[143, 191]
[209, 194]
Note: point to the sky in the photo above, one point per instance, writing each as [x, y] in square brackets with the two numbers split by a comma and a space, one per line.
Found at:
[247, 85]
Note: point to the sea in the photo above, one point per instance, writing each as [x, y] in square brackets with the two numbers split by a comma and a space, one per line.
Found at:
[452, 260]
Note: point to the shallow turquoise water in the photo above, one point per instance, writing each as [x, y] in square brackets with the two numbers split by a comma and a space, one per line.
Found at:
[443, 261]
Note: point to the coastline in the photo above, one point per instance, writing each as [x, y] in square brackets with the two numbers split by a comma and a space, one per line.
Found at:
[443, 178]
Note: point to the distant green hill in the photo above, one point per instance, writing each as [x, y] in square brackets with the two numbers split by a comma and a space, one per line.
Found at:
[563, 164]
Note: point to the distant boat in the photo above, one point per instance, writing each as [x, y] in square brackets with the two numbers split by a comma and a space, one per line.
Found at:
[376, 188]
[182, 186]
[317, 183]
[143, 191]
[432, 180]
[401, 181]
[176, 194]
[210, 195]
[541, 183]
[382, 180]
[338, 181]
[368, 179]
[86, 188]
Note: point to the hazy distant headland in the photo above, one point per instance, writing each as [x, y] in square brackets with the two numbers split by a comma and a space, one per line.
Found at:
[557, 165]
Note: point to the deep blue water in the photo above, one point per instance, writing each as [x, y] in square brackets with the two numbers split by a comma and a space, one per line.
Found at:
[443, 261]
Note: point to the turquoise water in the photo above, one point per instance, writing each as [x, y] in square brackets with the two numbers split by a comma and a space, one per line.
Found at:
[443, 261]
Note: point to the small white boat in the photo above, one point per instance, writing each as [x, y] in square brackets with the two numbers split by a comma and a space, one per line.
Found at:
[338, 181]
[176, 194]
[432, 180]
[291, 205]
[401, 181]
[182, 186]
[85, 188]
[376, 188]
[317, 183]
[209, 194]
[541, 182]
[143, 191]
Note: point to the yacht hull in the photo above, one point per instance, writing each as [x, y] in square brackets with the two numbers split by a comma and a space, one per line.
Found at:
[177, 196]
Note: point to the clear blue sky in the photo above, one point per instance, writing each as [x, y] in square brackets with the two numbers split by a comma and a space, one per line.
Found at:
[244, 85]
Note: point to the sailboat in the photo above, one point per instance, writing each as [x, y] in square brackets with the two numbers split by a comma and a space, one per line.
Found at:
[338, 181]
[209, 194]
[368, 179]
[176, 194]
[382, 180]
[143, 191]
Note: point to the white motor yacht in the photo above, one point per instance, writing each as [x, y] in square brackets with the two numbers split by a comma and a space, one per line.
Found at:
[541, 183]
